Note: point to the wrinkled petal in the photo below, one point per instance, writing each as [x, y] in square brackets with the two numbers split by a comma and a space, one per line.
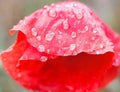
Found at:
[86, 34]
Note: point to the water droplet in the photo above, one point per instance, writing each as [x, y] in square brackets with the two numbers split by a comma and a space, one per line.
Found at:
[79, 16]
[43, 58]
[73, 34]
[52, 13]
[101, 46]
[49, 36]
[65, 24]
[41, 48]
[72, 46]
[34, 32]
[94, 31]
[38, 38]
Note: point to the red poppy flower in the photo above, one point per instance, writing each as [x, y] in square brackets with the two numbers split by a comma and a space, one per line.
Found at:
[63, 47]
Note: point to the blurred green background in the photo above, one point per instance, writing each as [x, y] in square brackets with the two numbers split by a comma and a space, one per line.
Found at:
[11, 11]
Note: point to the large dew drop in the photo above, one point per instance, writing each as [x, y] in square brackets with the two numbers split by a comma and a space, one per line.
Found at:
[49, 36]
[34, 32]
[41, 48]
[72, 46]
[78, 14]
[38, 38]
[52, 13]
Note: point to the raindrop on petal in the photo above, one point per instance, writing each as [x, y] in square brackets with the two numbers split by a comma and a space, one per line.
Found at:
[38, 38]
[65, 24]
[52, 13]
[41, 48]
[97, 52]
[101, 46]
[78, 14]
[94, 31]
[43, 58]
[72, 47]
[49, 36]
[34, 32]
